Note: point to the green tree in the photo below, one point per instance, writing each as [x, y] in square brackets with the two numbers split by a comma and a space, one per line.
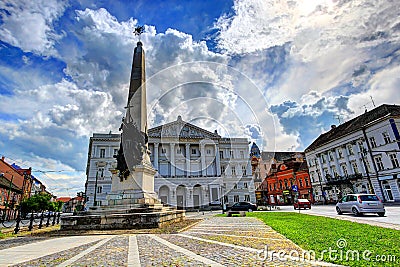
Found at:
[37, 203]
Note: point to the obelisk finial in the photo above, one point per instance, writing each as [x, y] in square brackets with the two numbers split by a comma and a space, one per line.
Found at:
[138, 31]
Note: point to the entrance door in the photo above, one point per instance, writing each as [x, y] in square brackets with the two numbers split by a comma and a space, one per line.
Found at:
[388, 191]
[196, 201]
[179, 202]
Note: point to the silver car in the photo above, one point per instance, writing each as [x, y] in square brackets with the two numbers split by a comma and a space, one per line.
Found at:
[359, 204]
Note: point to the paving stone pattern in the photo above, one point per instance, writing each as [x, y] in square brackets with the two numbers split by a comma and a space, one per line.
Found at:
[216, 241]
[56, 258]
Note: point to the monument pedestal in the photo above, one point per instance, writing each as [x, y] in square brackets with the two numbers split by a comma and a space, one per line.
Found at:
[132, 204]
[136, 189]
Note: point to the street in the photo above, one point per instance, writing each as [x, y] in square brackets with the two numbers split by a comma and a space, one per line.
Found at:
[390, 220]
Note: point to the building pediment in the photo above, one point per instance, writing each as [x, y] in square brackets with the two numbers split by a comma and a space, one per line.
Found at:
[180, 129]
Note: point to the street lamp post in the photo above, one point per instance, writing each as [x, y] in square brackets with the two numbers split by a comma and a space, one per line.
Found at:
[95, 189]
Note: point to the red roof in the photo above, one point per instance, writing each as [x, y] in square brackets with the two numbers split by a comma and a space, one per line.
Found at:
[63, 199]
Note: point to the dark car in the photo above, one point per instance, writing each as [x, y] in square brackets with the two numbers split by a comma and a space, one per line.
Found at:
[243, 206]
[302, 204]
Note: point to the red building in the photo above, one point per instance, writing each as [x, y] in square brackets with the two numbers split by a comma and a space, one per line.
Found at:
[288, 181]
[11, 185]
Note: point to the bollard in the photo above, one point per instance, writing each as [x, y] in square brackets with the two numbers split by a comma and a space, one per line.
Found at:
[16, 230]
[58, 217]
[41, 221]
[48, 219]
[31, 222]
[54, 219]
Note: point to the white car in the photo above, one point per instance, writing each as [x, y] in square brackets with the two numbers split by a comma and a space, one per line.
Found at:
[359, 204]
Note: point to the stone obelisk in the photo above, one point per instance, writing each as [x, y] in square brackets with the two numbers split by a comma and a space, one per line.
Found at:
[133, 181]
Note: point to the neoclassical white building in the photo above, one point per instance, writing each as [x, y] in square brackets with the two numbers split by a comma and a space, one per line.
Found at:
[361, 155]
[195, 168]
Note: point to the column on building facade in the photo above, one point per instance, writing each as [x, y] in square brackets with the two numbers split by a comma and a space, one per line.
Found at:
[172, 159]
[335, 159]
[203, 160]
[359, 161]
[217, 160]
[187, 154]
[156, 145]
[346, 158]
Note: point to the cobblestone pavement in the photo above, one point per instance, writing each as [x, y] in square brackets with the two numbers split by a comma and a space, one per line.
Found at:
[215, 241]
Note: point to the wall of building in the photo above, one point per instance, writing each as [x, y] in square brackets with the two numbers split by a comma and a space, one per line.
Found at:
[192, 171]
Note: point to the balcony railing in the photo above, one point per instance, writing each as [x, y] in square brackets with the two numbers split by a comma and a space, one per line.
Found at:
[343, 179]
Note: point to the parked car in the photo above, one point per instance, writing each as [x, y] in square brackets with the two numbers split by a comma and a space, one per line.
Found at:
[359, 204]
[302, 203]
[243, 206]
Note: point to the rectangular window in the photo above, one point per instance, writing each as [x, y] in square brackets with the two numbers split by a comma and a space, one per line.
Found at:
[350, 149]
[221, 154]
[307, 182]
[235, 186]
[193, 151]
[245, 185]
[355, 167]
[163, 150]
[372, 141]
[244, 170]
[345, 172]
[233, 170]
[379, 163]
[386, 137]
[115, 151]
[235, 198]
[330, 156]
[247, 198]
[340, 153]
[323, 159]
[231, 154]
[393, 159]
[99, 189]
[179, 151]
[362, 148]
[241, 154]
[334, 171]
[223, 169]
[208, 151]
[102, 153]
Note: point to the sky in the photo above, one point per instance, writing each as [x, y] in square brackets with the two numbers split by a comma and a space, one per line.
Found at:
[279, 72]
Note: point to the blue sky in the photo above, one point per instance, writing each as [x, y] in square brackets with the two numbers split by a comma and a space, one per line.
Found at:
[277, 72]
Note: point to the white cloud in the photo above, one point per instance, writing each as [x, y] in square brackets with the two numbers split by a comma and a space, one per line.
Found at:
[29, 24]
[311, 26]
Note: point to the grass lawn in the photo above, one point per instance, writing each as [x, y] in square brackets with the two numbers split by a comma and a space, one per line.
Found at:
[319, 233]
